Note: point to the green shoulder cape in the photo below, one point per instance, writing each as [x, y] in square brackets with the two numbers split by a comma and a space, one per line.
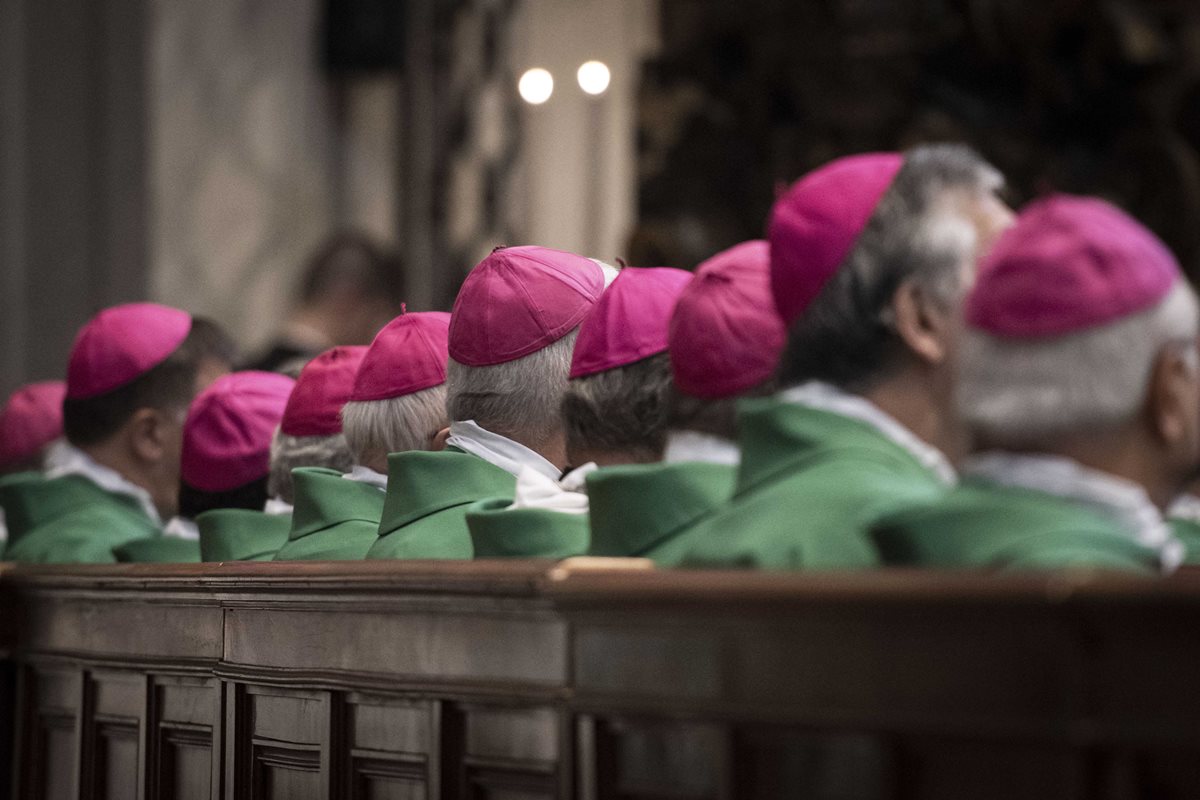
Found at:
[500, 532]
[238, 534]
[334, 519]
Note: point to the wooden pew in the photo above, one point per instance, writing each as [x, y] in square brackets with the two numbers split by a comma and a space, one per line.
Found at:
[519, 680]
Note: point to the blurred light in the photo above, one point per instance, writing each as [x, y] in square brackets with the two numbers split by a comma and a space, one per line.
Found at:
[593, 77]
[536, 86]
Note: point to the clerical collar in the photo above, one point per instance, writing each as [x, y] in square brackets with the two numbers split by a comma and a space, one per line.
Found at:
[497, 450]
[1185, 507]
[827, 397]
[704, 448]
[181, 528]
[367, 475]
[73, 461]
[277, 507]
[569, 495]
[1117, 498]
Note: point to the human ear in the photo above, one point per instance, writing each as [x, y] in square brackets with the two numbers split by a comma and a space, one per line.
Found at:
[921, 323]
[148, 435]
[439, 440]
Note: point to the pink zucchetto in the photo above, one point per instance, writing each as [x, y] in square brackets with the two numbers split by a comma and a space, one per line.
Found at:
[1069, 264]
[407, 356]
[324, 386]
[519, 300]
[227, 435]
[816, 222]
[725, 335]
[121, 344]
[629, 322]
[31, 419]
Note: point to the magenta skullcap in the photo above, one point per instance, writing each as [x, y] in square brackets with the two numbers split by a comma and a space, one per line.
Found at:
[32, 418]
[407, 356]
[629, 322]
[324, 386]
[121, 344]
[519, 300]
[227, 435]
[725, 334]
[1068, 264]
[816, 222]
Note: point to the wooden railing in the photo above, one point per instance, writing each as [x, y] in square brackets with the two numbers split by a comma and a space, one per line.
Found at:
[535, 680]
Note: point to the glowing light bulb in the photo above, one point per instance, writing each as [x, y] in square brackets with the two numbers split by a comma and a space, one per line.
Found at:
[536, 86]
[594, 77]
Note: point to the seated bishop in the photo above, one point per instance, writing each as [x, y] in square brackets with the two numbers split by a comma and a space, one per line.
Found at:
[31, 432]
[223, 474]
[512, 331]
[1081, 382]
[132, 372]
[614, 411]
[724, 341]
[398, 405]
[871, 256]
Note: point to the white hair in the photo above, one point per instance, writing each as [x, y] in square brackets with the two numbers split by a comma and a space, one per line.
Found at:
[520, 399]
[375, 428]
[289, 452]
[1017, 392]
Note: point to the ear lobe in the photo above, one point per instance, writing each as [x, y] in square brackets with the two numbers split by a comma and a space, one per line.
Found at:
[919, 323]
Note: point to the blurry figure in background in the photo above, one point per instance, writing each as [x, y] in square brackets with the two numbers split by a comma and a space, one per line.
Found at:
[725, 340]
[31, 430]
[614, 410]
[130, 378]
[310, 433]
[351, 288]
[218, 352]
[871, 256]
[1081, 381]
[223, 475]
[512, 331]
[398, 405]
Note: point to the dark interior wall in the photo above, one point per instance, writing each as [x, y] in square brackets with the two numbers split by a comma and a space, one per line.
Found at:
[72, 173]
[1064, 95]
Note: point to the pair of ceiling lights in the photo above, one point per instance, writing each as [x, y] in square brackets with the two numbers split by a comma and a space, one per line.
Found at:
[537, 84]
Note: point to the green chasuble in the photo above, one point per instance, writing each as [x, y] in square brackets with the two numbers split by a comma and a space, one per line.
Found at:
[500, 532]
[984, 524]
[424, 515]
[19, 516]
[239, 534]
[74, 521]
[334, 519]
[653, 510]
[160, 550]
[809, 485]
[1185, 530]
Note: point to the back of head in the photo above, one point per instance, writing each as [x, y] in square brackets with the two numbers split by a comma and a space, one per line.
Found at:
[30, 422]
[725, 340]
[399, 398]
[227, 442]
[310, 433]
[1072, 309]
[512, 333]
[846, 237]
[350, 262]
[218, 352]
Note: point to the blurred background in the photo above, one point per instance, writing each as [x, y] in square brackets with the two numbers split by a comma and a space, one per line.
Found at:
[203, 153]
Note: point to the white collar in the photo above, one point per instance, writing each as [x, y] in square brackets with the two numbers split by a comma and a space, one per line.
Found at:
[277, 507]
[702, 447]
[1185, 507]
[180, 528]
[535, 490]
[827, 397]
[1120, 499]
[363, 474]
[498, 450]
[73, 461]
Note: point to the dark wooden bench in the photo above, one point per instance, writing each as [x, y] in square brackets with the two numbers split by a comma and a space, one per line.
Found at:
[534, 680]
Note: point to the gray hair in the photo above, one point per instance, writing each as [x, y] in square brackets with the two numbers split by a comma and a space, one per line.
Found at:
[622, 410]
[918, 231]
[519, 399]
[1015, 392]
[289, 452]
[394, 425]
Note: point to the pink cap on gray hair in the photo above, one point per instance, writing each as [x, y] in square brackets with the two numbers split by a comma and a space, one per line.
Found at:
[1069, 264]
[324, 386]
[519, 300]
[122, 343]
[725, 335]
[407, 356]
[815, 224]
[32, 418]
